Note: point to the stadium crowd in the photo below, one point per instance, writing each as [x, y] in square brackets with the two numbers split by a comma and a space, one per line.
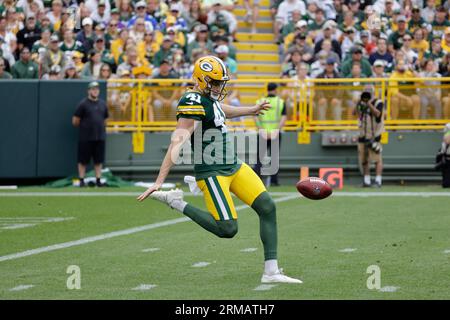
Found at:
[103, 39]
[363, 39]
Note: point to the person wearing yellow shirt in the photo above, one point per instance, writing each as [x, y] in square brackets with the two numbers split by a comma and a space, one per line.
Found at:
[300, 28]
[403, 92]
[445, 43]
[418, 43]
[117, 46]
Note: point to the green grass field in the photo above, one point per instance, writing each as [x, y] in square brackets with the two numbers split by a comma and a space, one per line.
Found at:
[406, 235]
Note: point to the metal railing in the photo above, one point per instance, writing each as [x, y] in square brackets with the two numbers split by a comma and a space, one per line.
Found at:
[312, 104]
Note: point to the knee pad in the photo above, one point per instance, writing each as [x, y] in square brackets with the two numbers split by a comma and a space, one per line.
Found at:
[228, 228]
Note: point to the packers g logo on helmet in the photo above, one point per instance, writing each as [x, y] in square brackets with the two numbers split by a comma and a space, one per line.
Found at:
[210, 71]
[206, 66]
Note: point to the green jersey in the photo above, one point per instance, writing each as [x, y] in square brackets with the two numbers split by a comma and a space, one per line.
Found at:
[217, 156]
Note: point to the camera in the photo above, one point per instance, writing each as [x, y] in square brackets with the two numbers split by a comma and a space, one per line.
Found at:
[375, 146]
[366, 96]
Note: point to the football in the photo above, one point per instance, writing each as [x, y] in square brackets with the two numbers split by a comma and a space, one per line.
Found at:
[314, 188]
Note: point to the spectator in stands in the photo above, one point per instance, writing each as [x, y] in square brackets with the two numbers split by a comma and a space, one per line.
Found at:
[69, 44]
[290, 26]
[231, 64]
[178, 38]
[138, 29]
[29, 34]
[411, 56]
[348, 41]
[290, 64]
[77, 58]
[300, 28]
[164, 53]
[100, 15]
[54, 14]
[165, 100]
[318, 66]
[436, 53]
[429, 11]
[4, 75]
[445, 44]
[53, 56]
[179, 23]
[91, 70]
[404, 95]
[217, 15]
[358, 14]
[430, 91]
[416, 20]
[327, 35]
[25, 68]
[226, 4]
[367, 43]
[201, 40]
[8, 41]
[300, 44]
[156, 9]
[70, 71]
[86, 35]
[151, 47]
[352, 96]
[118, 45]
[328, 49]
[419, 44]
[196, 15]
[326, 97]
[125, 10]
[41, 45]
[440, 22]
[378, 70]
[357, 56]
[105, 72]
[395, 40]
[149, 22]
[53, 74]
[106, 55]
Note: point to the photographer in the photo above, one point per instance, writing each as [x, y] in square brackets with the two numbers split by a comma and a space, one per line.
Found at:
[369, 110]
[443, 158]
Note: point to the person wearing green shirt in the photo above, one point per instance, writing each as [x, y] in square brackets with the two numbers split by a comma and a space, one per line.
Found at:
[25, 68]
[346, 68]
[4, 75]
[164, 53]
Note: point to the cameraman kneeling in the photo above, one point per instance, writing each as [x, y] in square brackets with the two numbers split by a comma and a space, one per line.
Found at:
[371, 125]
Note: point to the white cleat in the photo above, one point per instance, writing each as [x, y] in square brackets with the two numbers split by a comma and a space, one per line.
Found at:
[168, 197]
[278, 277]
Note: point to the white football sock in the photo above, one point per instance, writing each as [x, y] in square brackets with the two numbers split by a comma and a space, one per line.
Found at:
[178, 205]
[378, 179]
[367, 179]
[270, 266]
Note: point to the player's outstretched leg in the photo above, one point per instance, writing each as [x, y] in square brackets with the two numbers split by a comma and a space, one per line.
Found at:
[174, 198]
[267, 212]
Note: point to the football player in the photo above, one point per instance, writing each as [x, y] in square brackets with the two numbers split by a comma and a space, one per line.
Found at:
[200, 110]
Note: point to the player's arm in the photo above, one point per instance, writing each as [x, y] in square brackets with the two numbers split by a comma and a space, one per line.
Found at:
[183, 131]
[233, 112]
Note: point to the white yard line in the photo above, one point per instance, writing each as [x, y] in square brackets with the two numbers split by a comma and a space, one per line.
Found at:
[110, 235]
[127, 194]
[22, 287]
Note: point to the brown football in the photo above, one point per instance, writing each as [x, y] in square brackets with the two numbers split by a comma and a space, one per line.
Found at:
[314, 188]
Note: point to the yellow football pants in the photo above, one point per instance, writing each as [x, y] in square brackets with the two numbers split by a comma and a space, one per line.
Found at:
[244, 183]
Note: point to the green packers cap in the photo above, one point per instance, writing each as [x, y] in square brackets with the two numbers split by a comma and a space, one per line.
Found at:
[93, 84]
